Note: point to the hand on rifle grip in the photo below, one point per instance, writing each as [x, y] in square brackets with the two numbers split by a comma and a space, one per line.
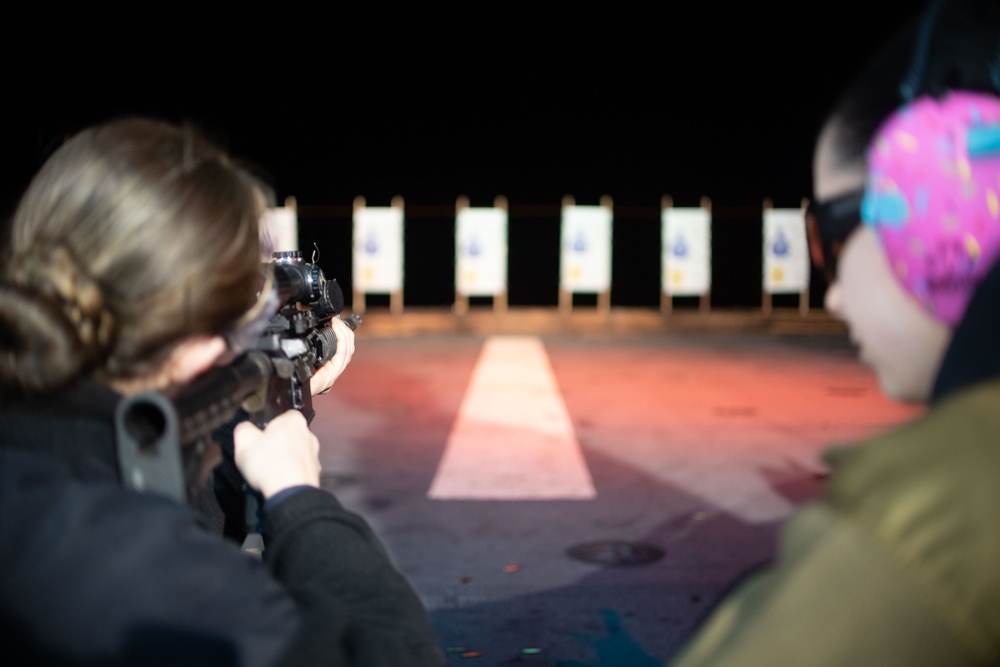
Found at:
[284, 454]
[328, 373]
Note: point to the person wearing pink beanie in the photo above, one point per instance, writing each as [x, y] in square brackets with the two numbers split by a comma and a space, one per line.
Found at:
[895, 563]
[931, 232]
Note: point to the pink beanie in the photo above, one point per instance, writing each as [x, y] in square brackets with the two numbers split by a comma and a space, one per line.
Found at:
[933, 196]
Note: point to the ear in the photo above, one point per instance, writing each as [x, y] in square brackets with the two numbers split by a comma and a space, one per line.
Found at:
[193, 357]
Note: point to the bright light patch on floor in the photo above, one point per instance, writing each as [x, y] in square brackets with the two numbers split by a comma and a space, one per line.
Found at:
[512, 439]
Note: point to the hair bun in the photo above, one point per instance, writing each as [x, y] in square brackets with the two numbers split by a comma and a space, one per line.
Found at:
[40, 350]
[53, 318]
[55, 273]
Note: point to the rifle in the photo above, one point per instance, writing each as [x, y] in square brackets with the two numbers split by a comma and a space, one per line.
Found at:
[164, 437]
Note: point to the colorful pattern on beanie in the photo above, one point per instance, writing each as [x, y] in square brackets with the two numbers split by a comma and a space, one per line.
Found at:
[932, 196]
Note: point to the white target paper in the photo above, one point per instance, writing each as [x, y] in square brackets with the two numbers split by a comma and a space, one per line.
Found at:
[687, 251]
[282, 226]
[481, 251]
[585, 261]
[786, 253]
[378, 249]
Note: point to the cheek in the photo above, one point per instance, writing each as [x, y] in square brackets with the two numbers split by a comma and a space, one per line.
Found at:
[864, 292]
[897, 338]
[859, 300]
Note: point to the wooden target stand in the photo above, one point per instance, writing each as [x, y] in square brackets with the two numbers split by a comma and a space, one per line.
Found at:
[766, 299]
[566, 296]
[666, 298]
[395, 297]
[461, 305]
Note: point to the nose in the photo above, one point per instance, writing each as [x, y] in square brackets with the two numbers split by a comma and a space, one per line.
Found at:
[832, 301]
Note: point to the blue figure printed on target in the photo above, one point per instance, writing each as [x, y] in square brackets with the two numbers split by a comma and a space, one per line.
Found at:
[580, 242]
[371, 244]
[472, 248]
[780, 245]
[680, 247]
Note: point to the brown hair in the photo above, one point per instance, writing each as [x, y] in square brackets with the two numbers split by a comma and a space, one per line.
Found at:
[133, 236]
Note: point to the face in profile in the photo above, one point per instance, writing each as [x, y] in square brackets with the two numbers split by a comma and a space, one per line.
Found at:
[896, 337]
[931, 233]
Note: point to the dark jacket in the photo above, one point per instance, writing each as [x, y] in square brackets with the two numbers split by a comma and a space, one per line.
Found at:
[91, 573]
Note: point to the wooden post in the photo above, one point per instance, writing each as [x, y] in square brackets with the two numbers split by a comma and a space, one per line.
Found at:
[666, 300]
[461, 305]
[396, 298]
[500, 299]
[565, 296]
[604, 298]
[358, 304]
[706, 298]
[766, 299]
[804, 296]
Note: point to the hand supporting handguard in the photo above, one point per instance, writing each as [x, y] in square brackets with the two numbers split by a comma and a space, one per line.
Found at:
[163, 438]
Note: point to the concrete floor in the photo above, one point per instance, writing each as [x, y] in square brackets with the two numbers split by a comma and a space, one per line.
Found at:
[699, 445]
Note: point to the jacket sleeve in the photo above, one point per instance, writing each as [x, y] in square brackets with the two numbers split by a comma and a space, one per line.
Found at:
[354, 602]
[224, 502]
[95, 574]
[833, 598]
[896, 564]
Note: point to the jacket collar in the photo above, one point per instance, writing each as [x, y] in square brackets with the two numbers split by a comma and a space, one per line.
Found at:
[973, 356]
[75, 425]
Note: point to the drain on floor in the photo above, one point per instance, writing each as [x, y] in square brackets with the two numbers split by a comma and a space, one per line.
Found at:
[615, 553]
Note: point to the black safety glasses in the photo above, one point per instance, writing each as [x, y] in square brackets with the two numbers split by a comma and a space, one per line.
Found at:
[828, 224]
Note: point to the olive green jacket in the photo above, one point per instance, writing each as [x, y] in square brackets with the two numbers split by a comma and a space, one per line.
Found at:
[897, 563]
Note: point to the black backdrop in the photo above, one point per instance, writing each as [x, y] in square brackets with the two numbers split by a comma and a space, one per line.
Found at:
[636, 103]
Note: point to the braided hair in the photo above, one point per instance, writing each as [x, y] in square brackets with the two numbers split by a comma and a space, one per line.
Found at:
[135, 235]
